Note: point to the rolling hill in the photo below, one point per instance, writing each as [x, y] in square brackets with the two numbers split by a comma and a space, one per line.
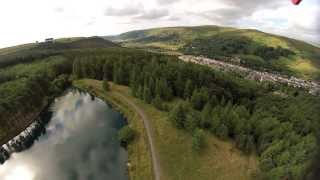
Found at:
[79, 43]
[29, 52]
[300, 59]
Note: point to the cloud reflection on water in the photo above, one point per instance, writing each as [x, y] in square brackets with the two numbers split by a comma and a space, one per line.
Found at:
[80, 144]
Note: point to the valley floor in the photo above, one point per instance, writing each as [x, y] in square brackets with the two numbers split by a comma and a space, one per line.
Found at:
[219, 160]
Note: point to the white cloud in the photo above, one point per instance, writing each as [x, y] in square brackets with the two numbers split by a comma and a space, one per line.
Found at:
[28, 21]
[126, 11]
[154, 14]
[167, 2]
[59, 9]
[301, 22]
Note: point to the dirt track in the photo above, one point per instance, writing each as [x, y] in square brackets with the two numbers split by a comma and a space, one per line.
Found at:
[148, 127]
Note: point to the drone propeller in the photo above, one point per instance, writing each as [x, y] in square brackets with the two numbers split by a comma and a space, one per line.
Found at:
[296, 2]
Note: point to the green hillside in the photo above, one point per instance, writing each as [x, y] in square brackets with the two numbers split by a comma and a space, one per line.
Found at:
[302, 59]
[14, 49]
[30, 52]
[79, 43]
[19, 48]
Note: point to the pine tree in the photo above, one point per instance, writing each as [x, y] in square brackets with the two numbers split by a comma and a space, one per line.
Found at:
[166, 90]
[158, 88]
[151, 85]
[196, 100]
[206, 116]
[147, 94]
[115, 74]
[77, 69]
[84, 70]
[204, 95]
[199, 98]
[178, 115]
[157, 102]
[140, 92]
[133, 83]
[179, 86]
[197, 140]
[107, 70]
[188, 90]
[192, 120]
[215, 119]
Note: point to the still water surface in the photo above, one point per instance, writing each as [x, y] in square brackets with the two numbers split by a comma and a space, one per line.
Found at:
[80, 144]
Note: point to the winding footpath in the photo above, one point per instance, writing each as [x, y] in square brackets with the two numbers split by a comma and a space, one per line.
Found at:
[148, 127]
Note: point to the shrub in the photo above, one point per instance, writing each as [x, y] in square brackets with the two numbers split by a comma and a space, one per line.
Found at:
[126, 135]
[197, 140]
[106, 85]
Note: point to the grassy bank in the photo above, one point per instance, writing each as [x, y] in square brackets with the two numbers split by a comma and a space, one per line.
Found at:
[218, 160]
[139, 155]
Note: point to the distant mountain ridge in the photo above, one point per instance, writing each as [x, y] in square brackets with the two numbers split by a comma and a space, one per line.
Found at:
[304, 61]
[187, 33]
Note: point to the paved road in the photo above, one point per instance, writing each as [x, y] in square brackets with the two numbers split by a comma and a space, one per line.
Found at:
[147, 125]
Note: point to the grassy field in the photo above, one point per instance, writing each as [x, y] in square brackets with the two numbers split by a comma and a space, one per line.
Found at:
[219, 160]
[306, 67]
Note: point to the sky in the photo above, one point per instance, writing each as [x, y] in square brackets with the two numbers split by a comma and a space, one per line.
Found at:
[34, 20]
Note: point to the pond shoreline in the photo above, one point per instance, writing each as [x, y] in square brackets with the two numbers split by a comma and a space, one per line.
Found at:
[65, 141]
[19, 130]
[27, 136]
[23, 137]
[27, 123]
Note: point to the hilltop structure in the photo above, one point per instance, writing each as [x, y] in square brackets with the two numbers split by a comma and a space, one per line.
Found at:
[49, 40]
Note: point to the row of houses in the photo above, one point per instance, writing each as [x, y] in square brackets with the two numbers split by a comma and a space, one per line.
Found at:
[312, 87]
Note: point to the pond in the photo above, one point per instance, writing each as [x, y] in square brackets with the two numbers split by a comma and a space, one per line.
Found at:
[80, 143]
